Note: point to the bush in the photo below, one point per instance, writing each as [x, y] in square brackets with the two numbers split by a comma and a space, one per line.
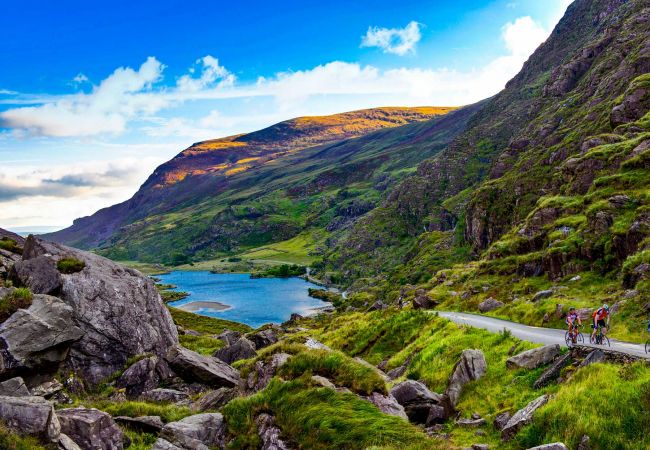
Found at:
[20, 298]
[70, 265]
[284, 271]
[10, 245]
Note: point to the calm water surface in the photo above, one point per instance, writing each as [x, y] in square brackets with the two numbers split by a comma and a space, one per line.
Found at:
[253, 301]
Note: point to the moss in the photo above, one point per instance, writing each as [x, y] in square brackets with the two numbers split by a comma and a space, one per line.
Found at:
[13, 441]
[19, 298]
[70, 265]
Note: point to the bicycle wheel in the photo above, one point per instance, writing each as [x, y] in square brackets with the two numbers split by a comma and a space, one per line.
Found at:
[580, 339]
[605, 341]
[647, 346]
[567, 339]
[593, 340]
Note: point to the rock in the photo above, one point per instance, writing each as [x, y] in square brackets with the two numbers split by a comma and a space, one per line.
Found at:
[418, 401]
[552, 373]
[635, 104]
[47, 389]
[192, 333]
[38, 338]
[264, 371]
[30, 415]
[559, 311]
[293, 319]
[119, 311]
[144, 375]
[39, 274]
[264, 338]
[65, 443]
[593, 357]
[214, 399]
[423, 301]
[165, 395]
[489, 305]
[378, 306]
[269, 433]
[470, 367]
[322, 381]
[387, 404]
[162, 444]
[194, 367]
[145, 424]
[585, 443]
[14, 387]
[229, 337]
[471, 422]
[241, 349]
[501, 420]
[554, 446]
[576, 278]
[543, 294]
[371, 367]
[201, 431]
[480, 446]
[522, 417]
[396, 372]
[534, 358]
[315, 345]
[91, 428]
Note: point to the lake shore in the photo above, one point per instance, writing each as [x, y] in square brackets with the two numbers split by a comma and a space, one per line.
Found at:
[204, 305]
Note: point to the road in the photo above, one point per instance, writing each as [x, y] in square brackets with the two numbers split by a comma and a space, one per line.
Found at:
[538, 335]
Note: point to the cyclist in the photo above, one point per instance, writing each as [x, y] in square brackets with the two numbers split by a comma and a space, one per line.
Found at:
[601, 319]
[573, 320]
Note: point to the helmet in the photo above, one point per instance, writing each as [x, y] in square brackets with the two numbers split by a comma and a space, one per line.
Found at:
[572, 308]
[606, 307]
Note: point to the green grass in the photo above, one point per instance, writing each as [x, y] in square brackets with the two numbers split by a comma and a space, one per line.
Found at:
[204, 324]
[10, 245]
[70, 265]
[13, 441]
[167, 412]
[20, 298]
[139, 441]
[205, 345]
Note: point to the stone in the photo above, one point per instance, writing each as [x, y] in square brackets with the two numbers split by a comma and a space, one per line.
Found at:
[552, 373]
[229, 337]
[269, 433]
[375, 369]
[501, 420]
[522, 417]
[378, 306]
[65, 443]
[423, 301]
[39, 337]
[144, 375]
[194, 367]
[593, 357]
[387, 404]
[118, 309]
[145, 424]
[34, 416]
[531, 359]
[14, 387]
[315, 345]
[470, 367]
[576, 278]
[543, 294]
[471, 422]
[554, 446]
[396, 372]
[489, 304]
[322, 381]
[47, 389]
[165, 395]
[214, 399]
[585, 443]
[480, 446]
[260, 377]
[162, 444]
[39, 274]
[264, 338]
[418, 401]
[200, 431]
[91, 428]
[241, 349]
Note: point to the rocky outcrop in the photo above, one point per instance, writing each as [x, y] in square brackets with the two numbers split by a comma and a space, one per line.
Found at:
[214, 399]
[65, 443]
[14, 387]
[91, 428]
[263, 338]
[552, 373]
[534, 358]
[144, 375]
[241, 349]
[30, 415]
[501, 420]
[198, 432]
[38, 338]
[260, 377]
[388, 405]
[203, 369]
[163, 395]
[420, 404]
[229, 337]
[38, 274]
[522, 417]
[470, 367]
[489, 304]
[269, 433]
[145, 424]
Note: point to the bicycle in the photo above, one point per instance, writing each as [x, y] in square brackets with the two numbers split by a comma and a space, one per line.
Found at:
[599, 338]
[579, 338]
[647, 346]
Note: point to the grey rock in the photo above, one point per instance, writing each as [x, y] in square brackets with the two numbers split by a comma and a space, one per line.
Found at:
[585, 443]
[501, 420]
[375, 369]
[552, 373]
[14, 387]
[38, 338]
[480, 446]
[396, 372]
[259, 378]
[489, 304]
[198, 432]
[315, 345]
[554, 446]
[146, 424]
[522, 417]
[229, 337]
[162, 444]
[165, 395]
[471, 422]
[65, 443]
[593, 357]
[322, 381]
[241, 349]
[531, 359]
[269, 433]
[543, 294]
[194, 367]
[91, 428]
[264, 338]
[471, 367]
[423, 301]
[144, 375]
[47, 389]
[418, 400]
[387, 404]
[39, 274]
[378, 306]
[214, 399]
[30, 415]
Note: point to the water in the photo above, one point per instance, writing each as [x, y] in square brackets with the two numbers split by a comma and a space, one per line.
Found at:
[253, 301]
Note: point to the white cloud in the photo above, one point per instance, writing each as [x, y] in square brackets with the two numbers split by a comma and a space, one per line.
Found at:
[211, 73]
[80, 78]
[523, 36]
[398, 41]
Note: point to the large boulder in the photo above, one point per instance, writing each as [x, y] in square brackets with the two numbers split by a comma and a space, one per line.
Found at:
[91, 428]
[162, 395]
[14, 387]
[264, 338]
[387, 404]
[522, 417]
[144, 375]
[241, 349]
[470, 367]
[118, 308]
[553, 372]
[39, 337]
[201, 431]
[420, 404]
[38, 274]
[204, 369]
[145, 424]
[260, 377]
[489, 304]
[30, 415]
[531, 359]
[214, 399]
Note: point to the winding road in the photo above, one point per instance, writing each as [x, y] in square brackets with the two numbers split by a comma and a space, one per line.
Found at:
[538, 335]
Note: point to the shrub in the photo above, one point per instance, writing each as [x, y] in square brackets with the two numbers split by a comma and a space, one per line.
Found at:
[70, 265]
[20, 298]
[10, 245]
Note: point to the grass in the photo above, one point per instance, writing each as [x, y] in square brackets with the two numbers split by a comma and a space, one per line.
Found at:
[70, 265]
[204, 345]
[167, 412]
[13, 441]
[10, 245]
[204, 324]
[20, 298]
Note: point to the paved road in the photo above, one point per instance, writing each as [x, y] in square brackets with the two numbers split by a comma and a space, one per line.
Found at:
[536, 334]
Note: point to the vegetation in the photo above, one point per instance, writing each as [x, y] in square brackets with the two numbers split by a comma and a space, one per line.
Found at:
[204, 324]
[13, 441]
[70, 265]
[19, 298]
[282, 271]
[10, 245]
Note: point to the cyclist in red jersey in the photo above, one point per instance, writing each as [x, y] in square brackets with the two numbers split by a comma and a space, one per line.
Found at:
[601, 319]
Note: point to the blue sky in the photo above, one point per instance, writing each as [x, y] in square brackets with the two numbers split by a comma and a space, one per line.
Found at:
[94, 95]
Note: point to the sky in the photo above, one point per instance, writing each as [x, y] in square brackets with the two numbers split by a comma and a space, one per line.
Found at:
[95, 95]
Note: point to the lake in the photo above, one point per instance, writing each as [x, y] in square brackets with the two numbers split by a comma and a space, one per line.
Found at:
[253, 301]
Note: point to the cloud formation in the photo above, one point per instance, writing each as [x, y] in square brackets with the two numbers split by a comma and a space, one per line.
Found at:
[398, 41]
